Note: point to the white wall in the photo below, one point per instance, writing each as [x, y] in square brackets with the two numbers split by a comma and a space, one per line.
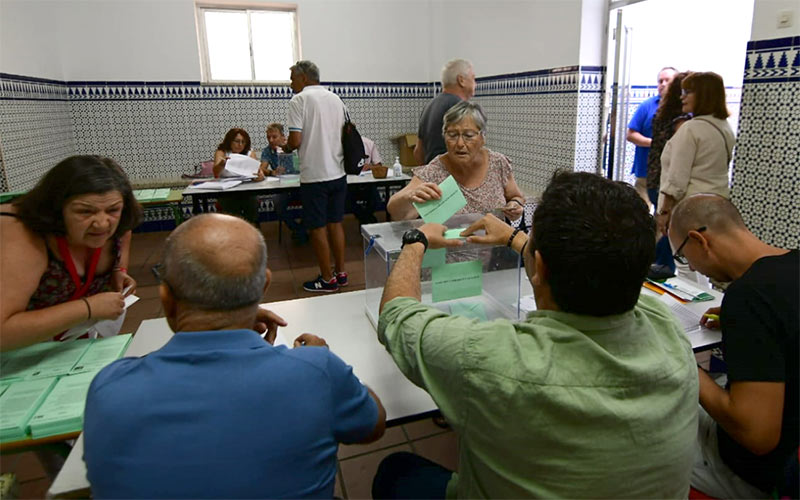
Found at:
[28, 39]
[593, 32]
[765, 17]
[505, 36]
[152, 40]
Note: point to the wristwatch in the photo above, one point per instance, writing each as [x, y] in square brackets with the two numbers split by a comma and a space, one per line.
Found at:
[414, 236]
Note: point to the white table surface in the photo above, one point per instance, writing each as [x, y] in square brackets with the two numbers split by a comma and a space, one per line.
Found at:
[351, 336]
[273, 185]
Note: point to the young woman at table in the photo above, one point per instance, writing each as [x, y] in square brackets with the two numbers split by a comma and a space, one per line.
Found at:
[65, 248]
[244, 205]
[484, 176]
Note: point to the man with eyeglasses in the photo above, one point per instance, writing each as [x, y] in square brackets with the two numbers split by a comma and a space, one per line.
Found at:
[592, 395]
[219, 412]
[748, 432]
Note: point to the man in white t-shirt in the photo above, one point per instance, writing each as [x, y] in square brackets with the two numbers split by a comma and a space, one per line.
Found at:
[316, 118]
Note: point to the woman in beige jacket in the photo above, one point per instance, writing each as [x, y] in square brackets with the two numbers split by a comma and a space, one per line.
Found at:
[696, 159]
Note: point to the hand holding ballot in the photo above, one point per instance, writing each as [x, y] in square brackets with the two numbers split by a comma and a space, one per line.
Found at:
[425, 192]
[437, 237]
[497, 231]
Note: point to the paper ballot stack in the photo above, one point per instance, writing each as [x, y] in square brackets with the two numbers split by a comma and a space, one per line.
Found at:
[43, 387]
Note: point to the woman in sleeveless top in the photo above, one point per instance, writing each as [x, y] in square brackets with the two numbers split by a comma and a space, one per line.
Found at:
[484, 176]
[65, 249]
[244, 205]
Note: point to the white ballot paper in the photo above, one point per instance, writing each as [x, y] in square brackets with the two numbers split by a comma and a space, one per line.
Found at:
[104, 327]
[240, 166]
[218, 185]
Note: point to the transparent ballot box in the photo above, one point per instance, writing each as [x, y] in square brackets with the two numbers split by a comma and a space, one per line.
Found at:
[479, 281]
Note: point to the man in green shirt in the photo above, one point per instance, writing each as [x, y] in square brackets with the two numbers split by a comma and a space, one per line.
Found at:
[593, 395]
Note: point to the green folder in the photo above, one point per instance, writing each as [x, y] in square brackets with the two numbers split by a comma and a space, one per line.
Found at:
[62, 410]
[19, 402]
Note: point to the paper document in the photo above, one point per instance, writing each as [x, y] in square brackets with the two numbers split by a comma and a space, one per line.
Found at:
[434, 257]
[160, 194]
[240, 165]
[19, 402]
[25, 362]
[440, 210]
[218, 185]
[457, 280]
[454, 234]
[474, 310]
[527, 304]
[688, 319]
[101, 353]
[62, 409]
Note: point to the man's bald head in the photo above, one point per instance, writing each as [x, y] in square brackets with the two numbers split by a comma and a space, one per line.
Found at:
[714, 212]
[216, 262]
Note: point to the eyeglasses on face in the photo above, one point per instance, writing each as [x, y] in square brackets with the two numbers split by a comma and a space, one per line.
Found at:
[678, 256]
[685, 92]
[467, 135]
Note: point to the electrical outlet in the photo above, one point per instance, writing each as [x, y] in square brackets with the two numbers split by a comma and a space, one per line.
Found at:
[785, 19]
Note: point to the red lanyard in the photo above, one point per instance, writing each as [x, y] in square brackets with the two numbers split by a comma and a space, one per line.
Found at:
[80, 288]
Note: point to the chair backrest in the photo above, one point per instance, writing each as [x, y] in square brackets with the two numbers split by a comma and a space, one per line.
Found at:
[207, 168]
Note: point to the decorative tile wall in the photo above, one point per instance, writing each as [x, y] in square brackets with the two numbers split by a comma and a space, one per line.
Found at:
[766, 174]
[35, 128]
[533, 118]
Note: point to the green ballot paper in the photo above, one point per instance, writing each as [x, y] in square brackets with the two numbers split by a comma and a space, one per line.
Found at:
[19, 402]
[434, 258]
[474, 310]
[438, 211]
[454, 234]
[457, 280]
[62, 410]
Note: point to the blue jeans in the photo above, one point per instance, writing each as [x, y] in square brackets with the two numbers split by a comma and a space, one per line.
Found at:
[663, 249]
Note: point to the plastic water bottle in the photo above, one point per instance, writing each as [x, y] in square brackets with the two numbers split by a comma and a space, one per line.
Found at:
[398, 169]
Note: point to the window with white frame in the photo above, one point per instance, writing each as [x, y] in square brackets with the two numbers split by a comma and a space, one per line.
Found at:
[247, 43]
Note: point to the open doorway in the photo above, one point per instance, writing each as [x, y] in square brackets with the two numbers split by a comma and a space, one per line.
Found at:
[707, 35]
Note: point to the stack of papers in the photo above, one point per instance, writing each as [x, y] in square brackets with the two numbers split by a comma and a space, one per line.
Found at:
[45, 359]
[19, 402]
[145, 195]
[218, 185]
[100, 353]
[240, 166]
[688, 319]
[29, 374]
[62, 410]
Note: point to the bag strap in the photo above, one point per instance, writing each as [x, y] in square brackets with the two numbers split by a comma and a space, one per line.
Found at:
[346, 115]
[724, 140]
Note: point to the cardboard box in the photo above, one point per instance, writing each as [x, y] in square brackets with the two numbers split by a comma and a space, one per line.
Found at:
[406, 144]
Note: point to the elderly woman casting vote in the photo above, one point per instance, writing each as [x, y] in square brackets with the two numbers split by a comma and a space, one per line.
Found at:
[484, 176]
[65, 249]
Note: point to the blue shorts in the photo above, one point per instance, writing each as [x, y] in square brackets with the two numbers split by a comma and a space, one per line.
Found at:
[323, 202]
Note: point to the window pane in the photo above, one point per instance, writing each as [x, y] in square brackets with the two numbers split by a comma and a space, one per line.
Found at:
[273, 44]
[228, 45]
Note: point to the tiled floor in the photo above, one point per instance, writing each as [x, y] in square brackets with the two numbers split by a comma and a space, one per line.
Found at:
[291, 265]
